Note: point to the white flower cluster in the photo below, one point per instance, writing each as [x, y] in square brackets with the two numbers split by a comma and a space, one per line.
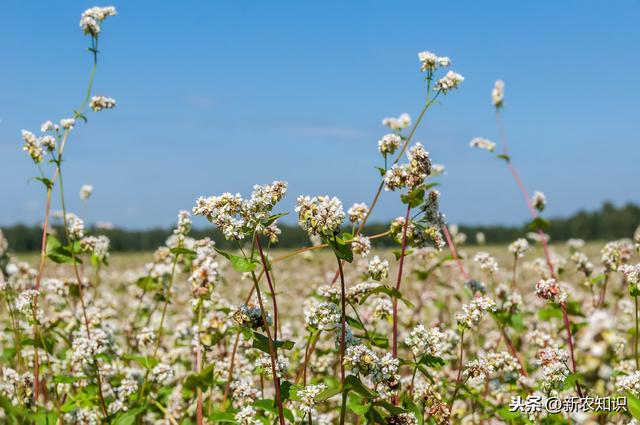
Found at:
[425, 341]
[18, 388]
[554, 369]
[377, 268]
[631, 274]
[75, 226]
[582, 263]
[429, 62]
[204, 276]
[33, 146]
[247, 416]
[162, 373]
[539, 201]
[307, 396]
[324, 316]
[263, 365]
[235, 216]
[365, 362]
[361, 245]
[490, 364]
[320, 215]
[248, 315]
[25, 304]
[146, 337]
[358, 212]
[84, 350]
[449, 82]
[519, 247]
[98, 103]
[402, 419]
[96, 245]
[473, 312]
[389, 144]
[482, 143]
[397, 124]
[630, 383]
[91, 19]
[4, 244]
[613, 255]
[356, 293]
[85, 192]
[497, 94]
[411, 174]
[67, 123]
[549, 289]
[486, 261]
[184, 224]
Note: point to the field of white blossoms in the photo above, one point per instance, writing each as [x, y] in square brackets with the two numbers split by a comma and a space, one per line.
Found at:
[331, 333]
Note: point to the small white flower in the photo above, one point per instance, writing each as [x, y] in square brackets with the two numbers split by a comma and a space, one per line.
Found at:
[481, 143]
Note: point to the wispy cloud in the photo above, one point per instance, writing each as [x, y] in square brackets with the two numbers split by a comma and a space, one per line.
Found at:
[200, 102]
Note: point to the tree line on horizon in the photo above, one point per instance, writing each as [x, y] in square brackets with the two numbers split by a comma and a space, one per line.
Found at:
[607, 223]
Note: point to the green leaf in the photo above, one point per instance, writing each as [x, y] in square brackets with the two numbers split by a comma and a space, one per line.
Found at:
[382, 171]
[273, 218]
[148, 283]
[46, 182]
[379, 341]
[398, 253]
[571, 380]
[340, 248]
[56, 252]
[45, 418]
[128, 418]
[327, 394]
[204, 379]
[412, 407]
[550, 311]
[539, 223]
[239, 264]
[261, 342]
[634, 405]
[396, 410]
[414, 198]
[506, 413]
[221, 417]
[356, 405]
[178, 250]
[65, 379]
[146, 362]
[391, 292]
[351, 382]
[504, 156]
[432, 361]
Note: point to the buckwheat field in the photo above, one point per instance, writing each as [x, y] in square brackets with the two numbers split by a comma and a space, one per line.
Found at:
[432, 331]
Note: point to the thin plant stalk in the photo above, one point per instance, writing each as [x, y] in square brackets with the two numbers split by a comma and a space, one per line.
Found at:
[454, 252]
[199, 415]
[272, 350]
[74, 262]
[635, 351]
[343, 334]
[543, 241]
[459, 376]
[265, 267]
[399, 281]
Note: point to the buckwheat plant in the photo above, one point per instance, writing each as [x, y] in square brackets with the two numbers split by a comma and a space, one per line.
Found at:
[332, 332]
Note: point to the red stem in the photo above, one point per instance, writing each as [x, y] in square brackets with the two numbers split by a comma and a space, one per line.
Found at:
[400, 267]
[454, 253]
[271, 288]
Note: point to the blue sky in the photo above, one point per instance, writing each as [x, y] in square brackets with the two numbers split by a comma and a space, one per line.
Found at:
[217, 96]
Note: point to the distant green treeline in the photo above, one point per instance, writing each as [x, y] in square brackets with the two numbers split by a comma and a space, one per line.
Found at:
[607, 223]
